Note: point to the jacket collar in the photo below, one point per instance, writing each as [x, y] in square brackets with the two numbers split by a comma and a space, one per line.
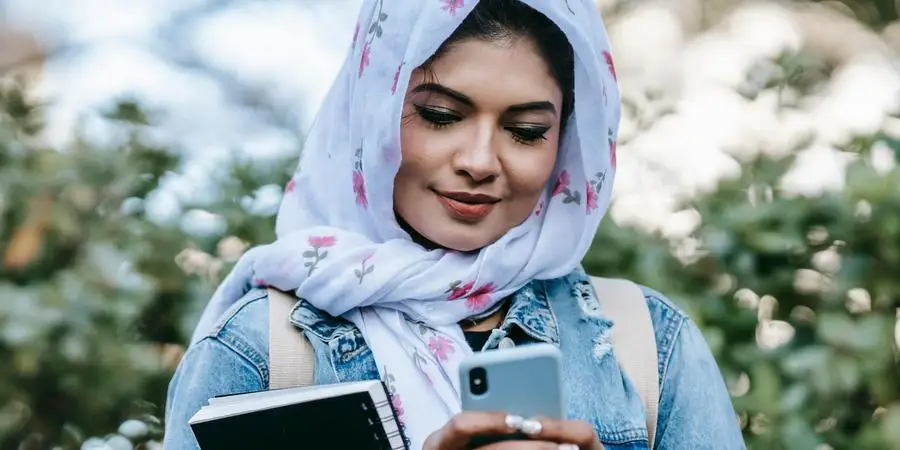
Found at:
[530, 311]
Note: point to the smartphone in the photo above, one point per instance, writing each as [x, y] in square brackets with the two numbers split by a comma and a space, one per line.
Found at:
[524, 380]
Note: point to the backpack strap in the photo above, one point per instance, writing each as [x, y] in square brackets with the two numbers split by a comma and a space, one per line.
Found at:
[633, 340]
[292, 360]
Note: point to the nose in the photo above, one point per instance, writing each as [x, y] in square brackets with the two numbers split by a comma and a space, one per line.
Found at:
[477, 157]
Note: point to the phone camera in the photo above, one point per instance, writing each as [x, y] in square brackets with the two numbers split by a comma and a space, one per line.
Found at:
[478, 383]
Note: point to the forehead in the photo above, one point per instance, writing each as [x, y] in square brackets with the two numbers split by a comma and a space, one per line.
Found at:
[504, 71]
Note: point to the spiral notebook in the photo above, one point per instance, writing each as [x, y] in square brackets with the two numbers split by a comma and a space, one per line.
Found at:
[355, 415]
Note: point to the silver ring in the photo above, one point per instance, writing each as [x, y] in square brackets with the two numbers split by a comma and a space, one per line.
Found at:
[568, 447]
[515, 422]
[531, 427]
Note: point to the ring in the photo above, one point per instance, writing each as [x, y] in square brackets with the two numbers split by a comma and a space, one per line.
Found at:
[515, 422]
[568, 447]
[531, 427]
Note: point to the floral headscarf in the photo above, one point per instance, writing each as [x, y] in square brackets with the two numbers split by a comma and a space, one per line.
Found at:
[339, 244]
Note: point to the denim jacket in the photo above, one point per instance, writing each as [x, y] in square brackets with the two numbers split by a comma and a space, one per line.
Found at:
[695, 410]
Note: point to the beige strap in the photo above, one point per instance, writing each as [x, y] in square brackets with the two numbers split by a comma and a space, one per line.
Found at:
[292, 360]
[633, 340]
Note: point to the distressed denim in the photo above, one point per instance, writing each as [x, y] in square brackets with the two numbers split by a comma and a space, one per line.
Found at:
[695, 410]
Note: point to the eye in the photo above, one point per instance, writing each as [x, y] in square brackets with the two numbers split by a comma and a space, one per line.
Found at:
[437, 117]
[528, 135]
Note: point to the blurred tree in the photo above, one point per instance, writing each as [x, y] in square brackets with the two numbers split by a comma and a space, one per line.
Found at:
[93, 307]
[80, 263]
[798, 296]
[875, 13]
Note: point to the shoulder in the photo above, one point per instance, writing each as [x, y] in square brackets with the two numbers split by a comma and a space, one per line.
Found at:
[667, 316]
[670, 322]
[231, 358]
[244, 330]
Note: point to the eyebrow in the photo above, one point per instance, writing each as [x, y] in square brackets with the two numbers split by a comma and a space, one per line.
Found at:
[440, 89]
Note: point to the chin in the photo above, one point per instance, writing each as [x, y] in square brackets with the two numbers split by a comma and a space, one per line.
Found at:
[463, 240]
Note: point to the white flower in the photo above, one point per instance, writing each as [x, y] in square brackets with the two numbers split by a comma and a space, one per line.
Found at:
[647, 44]
[715, 57]
[817, 169]
[133, 429]
[781, 32]
[859, 97]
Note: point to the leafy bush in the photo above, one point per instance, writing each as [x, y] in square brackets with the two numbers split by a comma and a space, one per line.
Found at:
[97, 298]
[798, 297]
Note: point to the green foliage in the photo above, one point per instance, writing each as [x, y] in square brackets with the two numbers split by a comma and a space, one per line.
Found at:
[823, 269]
[798, 296]
[80, 265]
[875, 13]
[93, 307]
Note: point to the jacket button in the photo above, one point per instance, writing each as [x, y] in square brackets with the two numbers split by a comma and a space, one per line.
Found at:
[507, 343]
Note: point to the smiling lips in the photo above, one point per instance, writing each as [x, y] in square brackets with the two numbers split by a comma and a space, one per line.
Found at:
[467, 206]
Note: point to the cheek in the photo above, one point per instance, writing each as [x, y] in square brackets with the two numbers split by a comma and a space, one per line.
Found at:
[529, 176]
[414, 137]
[413, 161]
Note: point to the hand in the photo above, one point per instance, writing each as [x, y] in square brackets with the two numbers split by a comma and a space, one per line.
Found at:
[457, 433]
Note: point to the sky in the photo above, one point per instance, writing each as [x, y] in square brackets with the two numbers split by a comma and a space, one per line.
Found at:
[291, 47]
[289, 50]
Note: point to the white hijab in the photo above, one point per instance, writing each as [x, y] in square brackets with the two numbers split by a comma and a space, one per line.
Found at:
[339, 245]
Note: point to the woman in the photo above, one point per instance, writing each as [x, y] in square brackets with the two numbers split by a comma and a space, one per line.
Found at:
[449, 188]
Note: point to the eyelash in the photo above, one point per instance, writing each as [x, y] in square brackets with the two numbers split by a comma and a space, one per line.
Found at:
[523, 135]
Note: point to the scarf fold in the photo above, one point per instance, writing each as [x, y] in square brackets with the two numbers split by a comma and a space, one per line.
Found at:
[340, 247]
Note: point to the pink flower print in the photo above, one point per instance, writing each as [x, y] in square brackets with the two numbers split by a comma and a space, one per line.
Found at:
[452, 5]
[592, 191]
[474, 299]
[592, 198]
[612, 150]
[609, 63]
[562, 187]
[322, 241]
[390, 383]
[364, 59]
[396, 78]
[459, 290]
[480, 297]
[397, 404]
[359, 188]
[289, 187]
[314, 256]
[562, 183]
[441, 347]
[259, 282]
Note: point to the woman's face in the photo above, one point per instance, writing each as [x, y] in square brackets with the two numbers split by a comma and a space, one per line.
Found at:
[479, 141]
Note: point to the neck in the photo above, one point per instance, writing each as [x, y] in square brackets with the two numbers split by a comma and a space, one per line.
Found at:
[415, 235]
[486, 324]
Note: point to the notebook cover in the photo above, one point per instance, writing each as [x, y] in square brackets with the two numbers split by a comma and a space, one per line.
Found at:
[346, 422]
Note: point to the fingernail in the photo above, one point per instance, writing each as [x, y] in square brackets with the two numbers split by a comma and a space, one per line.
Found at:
[531, 427]
[514, 421]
